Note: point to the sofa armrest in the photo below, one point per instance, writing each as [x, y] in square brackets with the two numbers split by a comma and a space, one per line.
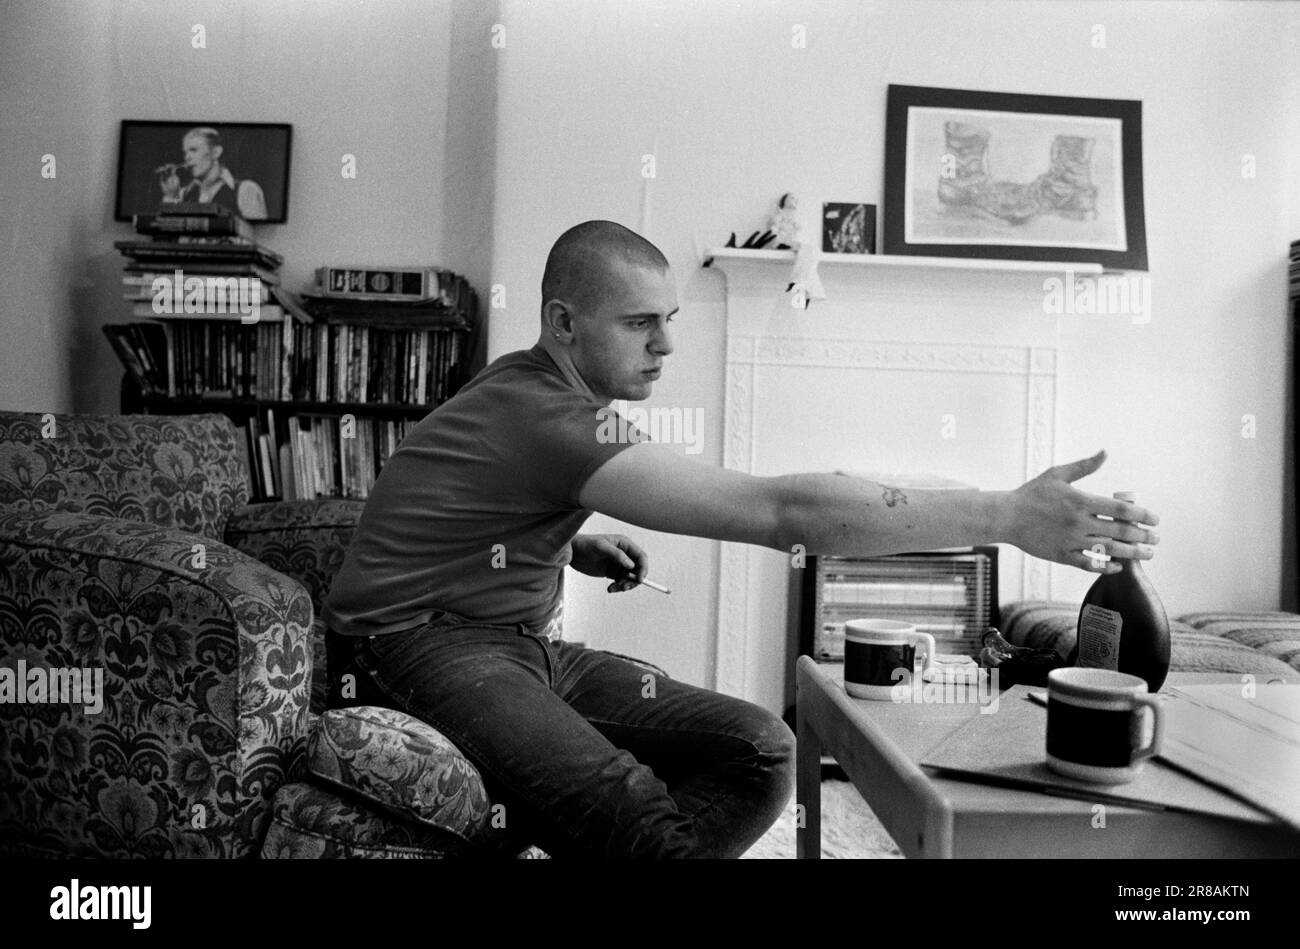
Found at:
[303, 539]
[203, 655]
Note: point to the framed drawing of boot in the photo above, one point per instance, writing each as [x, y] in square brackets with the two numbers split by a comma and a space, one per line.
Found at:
[1009, 176]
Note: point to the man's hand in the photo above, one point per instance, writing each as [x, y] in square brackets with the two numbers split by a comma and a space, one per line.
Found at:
[610, 555]
[171, 186]
[1050, 519]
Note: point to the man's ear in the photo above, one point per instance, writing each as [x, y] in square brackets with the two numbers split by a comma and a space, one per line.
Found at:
[557, 318]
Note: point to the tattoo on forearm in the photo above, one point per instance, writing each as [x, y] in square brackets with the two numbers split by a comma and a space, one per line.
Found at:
[893, 496]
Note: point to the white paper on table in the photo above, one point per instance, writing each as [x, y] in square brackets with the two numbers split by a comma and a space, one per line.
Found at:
[1249, 746]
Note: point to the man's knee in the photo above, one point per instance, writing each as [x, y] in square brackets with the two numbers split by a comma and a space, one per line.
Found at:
[770, 736]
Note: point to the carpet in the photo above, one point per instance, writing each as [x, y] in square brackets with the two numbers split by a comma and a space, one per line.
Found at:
[850, 831]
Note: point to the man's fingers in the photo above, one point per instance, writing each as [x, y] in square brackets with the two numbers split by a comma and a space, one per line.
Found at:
[1116, 549]
[1122, 510]
[1092, 563]
[1128, 533]
[1078, 469]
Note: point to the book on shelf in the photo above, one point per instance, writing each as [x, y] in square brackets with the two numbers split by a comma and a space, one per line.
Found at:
[433, 311]
[167, 225]
[378, 283]
[133, 359]
[223, 289]
[150, 272]
[171, 253]
[196, 209]
[221, 310]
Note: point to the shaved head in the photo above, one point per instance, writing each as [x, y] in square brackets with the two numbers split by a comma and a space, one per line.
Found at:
[587, 257]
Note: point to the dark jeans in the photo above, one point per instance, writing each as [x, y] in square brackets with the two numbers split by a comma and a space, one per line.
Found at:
[592, 754]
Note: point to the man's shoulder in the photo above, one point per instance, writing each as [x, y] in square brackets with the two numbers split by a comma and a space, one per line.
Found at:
[523, 372]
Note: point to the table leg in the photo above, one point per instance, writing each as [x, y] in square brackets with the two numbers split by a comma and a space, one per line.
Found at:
[808, 788]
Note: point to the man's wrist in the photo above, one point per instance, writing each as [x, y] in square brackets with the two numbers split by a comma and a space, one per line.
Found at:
[998, 516]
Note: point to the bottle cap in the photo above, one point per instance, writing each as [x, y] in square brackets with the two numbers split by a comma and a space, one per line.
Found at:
[1129, 496]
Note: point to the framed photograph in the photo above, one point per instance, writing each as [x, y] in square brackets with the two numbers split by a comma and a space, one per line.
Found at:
[848, 228]
[1009, 176]
[242, 166]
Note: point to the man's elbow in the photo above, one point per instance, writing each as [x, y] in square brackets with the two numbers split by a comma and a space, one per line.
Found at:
[785, 524]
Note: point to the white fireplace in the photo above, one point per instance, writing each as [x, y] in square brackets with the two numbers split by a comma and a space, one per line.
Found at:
[947, 369]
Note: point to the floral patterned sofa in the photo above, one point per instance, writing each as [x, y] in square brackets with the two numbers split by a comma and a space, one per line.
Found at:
[127, 545]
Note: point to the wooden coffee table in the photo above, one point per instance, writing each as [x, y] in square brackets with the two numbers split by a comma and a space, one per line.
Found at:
[878, 744]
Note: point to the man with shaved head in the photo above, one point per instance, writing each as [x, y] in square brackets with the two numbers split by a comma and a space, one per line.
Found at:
[448, 603]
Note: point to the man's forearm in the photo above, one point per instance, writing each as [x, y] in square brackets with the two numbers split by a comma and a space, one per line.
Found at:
[847, 516]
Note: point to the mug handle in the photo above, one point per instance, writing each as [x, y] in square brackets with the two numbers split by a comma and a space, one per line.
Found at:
[929, 648]
[1135, 729]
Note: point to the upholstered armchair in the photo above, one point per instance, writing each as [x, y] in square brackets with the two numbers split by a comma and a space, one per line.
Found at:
[127, 546]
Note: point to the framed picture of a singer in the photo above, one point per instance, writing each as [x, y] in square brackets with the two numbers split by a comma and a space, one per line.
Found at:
[243, 167]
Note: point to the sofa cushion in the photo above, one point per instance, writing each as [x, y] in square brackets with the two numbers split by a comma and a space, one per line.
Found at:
[312, 822]
[404, 766]
[1053, 625]
[1275, 634]
[181, 471]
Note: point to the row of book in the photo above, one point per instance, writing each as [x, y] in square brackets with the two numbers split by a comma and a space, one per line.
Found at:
[455, 307]
[314, 456]
[339, 362]
[287, 361]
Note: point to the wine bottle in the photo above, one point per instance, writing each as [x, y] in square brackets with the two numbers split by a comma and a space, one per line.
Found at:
[1122, 623]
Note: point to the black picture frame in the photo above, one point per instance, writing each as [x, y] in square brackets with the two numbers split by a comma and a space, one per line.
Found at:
[1014, 177]
[255, 154]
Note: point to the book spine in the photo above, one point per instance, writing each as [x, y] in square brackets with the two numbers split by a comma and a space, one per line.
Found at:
[383, 284]
[170, 336]
[422, 380]
[171, 224]
[287, 330]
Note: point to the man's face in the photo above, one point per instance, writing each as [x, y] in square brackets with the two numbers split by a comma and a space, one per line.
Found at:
[199, 155]
[621, 339]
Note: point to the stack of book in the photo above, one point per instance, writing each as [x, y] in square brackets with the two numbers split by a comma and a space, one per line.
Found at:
[384, 335]
[213, 295]
[199, 240]
[425, 297]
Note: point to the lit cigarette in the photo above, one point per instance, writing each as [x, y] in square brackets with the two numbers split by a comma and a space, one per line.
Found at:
[655, 586]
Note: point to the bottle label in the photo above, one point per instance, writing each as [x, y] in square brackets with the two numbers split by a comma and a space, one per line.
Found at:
[1099, 630]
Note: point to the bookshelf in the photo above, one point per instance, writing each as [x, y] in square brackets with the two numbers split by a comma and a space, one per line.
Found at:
[322, 389]
[320, 407]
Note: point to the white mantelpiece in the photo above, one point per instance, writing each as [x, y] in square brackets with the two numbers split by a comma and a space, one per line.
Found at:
[902, 344]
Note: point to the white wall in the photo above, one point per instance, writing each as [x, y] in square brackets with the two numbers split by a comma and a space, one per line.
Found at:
[367, 79]
[559, 121]
[734, 115]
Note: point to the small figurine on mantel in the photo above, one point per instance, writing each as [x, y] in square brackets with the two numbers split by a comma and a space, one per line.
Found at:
[805, 285]
[785, 222]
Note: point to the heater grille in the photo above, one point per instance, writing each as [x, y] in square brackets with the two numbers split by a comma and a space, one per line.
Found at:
[951, 595]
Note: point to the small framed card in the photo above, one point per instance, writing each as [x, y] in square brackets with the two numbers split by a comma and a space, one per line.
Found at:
[848, 228]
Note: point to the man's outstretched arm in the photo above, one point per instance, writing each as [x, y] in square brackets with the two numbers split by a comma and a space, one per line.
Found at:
[651, 486]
